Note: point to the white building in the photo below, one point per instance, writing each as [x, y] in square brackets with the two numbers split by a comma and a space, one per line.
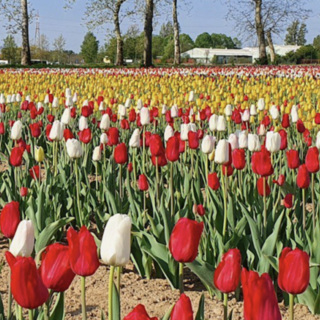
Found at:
[223, 56]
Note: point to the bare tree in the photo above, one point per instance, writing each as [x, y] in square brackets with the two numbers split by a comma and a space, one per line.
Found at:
[18, 20]
[265, 18]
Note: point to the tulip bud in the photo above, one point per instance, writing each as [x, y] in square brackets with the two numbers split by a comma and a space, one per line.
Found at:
[16, 130]
[66, 116]
[116, 241]
[144, 116]
[74, 148]
[23, 240]
[222, 152]
[39, 154]
[105, 122]
[134, 141]
[104, 138]
[96, 154]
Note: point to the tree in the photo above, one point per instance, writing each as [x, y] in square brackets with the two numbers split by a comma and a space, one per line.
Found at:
[296, 34]
[9, 50]
[186, 43]
[176, 33]
[89, 48]
[166, 30]
[316, 42]
[59, 47]
[204, 40]
[259, 17]
[223, 41]
[301, 39]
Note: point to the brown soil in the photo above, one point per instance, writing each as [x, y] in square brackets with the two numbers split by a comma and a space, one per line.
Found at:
[155, 294]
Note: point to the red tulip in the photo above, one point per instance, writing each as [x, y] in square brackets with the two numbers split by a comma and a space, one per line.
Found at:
[293, 159]
[113, 136]
[162, 160]
[284, 139]
[10, 219]
[213, 181]
[156, 145]
[193, 140]
[259, 297]
[261, 163]
[121, 153]
[2, 129]
[83, 252]
[132, 115]
[143, 183]
[139, 313]
[48, 129]
[26, 284]
[86, 111]
[287, 201]
[227, 170]
[184, 240]
[130, 167]
[227, 275]
[317, 118]
[199, 209]
[55, 270]
[34, 172]
[16, 156]
[285, 121]
[303, 177]
[50, 118]
[172, 150]
[182, 309]
[73, 112]
[300, 126]
[67, 134]
[85, 135]
[294, 271]
[239, 159]
[260, 187]
[281, 180]
[312, 160]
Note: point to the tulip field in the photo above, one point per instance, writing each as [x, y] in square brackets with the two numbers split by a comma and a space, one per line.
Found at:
[203, 174]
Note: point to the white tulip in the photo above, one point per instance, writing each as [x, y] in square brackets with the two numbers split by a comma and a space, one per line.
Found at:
[83, 123]
[13, 98]
[184, 129]
[213, 122]
[243, 140]
[191, 96]
[8, 99]
[56, 132]
[96, 156]
[294, 114]
[116, 241]
[101, 106]
[253, 110]
[55, 102]
[261, 104]
[144, 116]
[192, 127]
[139, 104]
[128, 103]
[69, 102]
[18, 97]
[85, 103]
[228, 110]
[273, 141]
[28, 98]
[75, 98]
[122, 111]
[221, 155]
[39, 106]
[134, 141]
[318, 140]
[274, 112]
[233, 140]
[245, 116]
[2, 99]
[262, 130]
[104, 138]
[74, 148]
[23, 241]
[174, 111]
[164, 109]
[68, 93]
[222, 124]
[16, 130]
[105, 122]
[168, 133]
[66, 116]
[208, 144]
[46, 99]
[254, 142]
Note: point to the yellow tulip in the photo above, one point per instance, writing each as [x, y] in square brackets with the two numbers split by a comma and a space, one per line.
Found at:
[39, 154]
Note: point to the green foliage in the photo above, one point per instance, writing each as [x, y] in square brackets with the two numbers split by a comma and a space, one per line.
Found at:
[89, 48]
[10, 50]
[296, 34]
[204, 40]
[223, 41]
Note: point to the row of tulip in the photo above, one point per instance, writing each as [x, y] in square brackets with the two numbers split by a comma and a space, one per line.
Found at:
[195, 185]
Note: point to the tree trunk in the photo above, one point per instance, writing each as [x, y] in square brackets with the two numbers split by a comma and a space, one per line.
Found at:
[260, 33]
[176, 33]
[119, 58]
[148, 28]
[271, 47]
[26, 56]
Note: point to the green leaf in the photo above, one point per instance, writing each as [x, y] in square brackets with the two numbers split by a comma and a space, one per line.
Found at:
[115, 303]
[168, 314]
[48, 232]
[200, 312]
[58, 310]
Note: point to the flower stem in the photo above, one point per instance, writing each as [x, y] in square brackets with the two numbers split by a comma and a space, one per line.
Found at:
[291, 305]
[224, 202]
[120, 181]
[157, 183]
[225, 306]
[110, 291]
[30, 315]
[134, 169]
[78, 192]
[20, 313]
[144, 149]
[181, 287]
[313, 204]
[264, 207]
[304, 208]
[83, 298]
[171, 190]
[9, 291]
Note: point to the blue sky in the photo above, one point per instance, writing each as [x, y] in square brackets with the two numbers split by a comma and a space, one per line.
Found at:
[201, 16]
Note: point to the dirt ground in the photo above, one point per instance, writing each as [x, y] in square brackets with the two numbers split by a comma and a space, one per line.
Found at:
[155, 294]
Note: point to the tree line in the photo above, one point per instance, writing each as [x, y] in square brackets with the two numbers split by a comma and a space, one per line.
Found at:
[262, 19]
